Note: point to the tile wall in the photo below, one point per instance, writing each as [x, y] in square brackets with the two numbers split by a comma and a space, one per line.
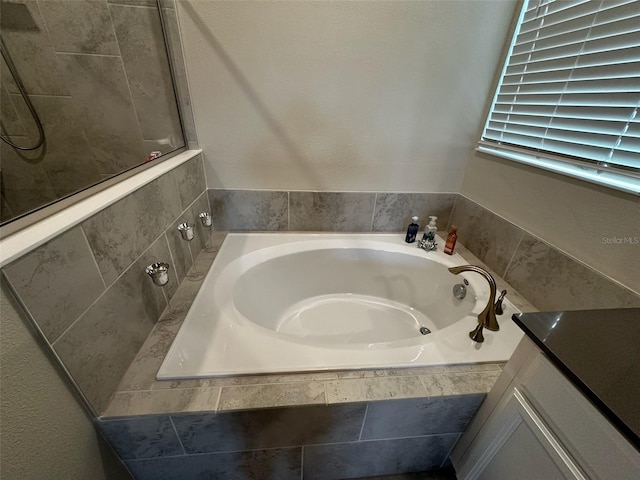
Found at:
[97, 74]
[87, 290]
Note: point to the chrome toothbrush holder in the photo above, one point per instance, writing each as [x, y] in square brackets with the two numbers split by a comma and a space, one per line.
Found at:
[187, 230]
[159, 273]
[205, 218]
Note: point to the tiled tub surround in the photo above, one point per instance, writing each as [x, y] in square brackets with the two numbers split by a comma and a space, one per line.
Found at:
[340, 424]
[87, 290]
[546, 276]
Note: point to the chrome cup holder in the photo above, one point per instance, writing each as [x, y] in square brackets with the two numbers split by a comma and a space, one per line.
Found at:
[187, 230]
[205, 218]
[159, 273]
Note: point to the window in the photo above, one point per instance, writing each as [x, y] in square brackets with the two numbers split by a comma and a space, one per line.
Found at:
[568, 99]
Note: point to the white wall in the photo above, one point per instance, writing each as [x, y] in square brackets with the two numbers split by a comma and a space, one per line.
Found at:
[572, 215]
[45, 433]
[341, 95]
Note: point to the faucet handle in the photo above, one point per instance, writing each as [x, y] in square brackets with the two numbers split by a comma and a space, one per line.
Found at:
[499, 309]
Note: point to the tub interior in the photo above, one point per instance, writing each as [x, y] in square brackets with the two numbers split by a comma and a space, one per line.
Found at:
[350, 296]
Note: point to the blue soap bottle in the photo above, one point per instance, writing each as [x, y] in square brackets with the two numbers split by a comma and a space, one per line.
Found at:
[412, 230]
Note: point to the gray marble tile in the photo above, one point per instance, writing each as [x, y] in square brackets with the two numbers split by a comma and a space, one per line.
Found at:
[243, 210]
[190, 180]
[25, 186]
[57, 281]
[147, 437]
[380, 457]
[121, 232]
[79, 27]
[415, 417]
[172, 32]
[276, 395]
[26, 38]
[393, 211]
[156, 402]
[381, 388]
[99, 347]
[493, 239]
[552, 280]
[67, 157]
[202, 233]
[407, 372]
[447, 384]
[141, 41]
[269, 428]
[280, 464]
[110, 119]
[331, 211]
[10, 121]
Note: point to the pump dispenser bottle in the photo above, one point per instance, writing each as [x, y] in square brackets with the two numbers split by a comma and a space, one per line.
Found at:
[412, 230]
[450, 244]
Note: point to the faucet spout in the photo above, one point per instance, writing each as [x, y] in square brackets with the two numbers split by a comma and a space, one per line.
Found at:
[486, 318]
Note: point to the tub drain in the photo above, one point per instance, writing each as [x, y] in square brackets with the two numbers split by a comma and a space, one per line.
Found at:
[424, 330]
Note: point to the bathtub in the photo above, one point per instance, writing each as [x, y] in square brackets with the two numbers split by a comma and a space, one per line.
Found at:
[275, 303]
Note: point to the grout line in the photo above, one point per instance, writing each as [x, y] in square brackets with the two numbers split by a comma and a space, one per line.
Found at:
[373, 214]
[217, 409]
[450, 450]
[364, 419]
[173, 262]
[515, 251]
[175, 430]
[93, 256]
[288, 210]
[302, 462]
[80, 54]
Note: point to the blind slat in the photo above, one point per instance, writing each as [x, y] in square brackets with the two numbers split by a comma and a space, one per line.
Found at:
[570, 88]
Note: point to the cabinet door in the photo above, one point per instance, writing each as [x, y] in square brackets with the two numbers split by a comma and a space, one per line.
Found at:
[523, 448]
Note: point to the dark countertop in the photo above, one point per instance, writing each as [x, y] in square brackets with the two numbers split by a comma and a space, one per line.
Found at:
[599, 350]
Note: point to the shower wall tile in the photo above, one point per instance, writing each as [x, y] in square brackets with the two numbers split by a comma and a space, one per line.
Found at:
[331, 211]
[79, 27]
[148, 437]
[102, 343]
[552, 280]
[493, 239]
[393, 211]
[122, 231]
[10, 121]
[190, 180]
[148, 72]
[374, 458]
[271, 428]
[66, 144]
[245, 210]
[57, 281]
[416, 417]
[281, 464]
[25, 35]
[110, 120]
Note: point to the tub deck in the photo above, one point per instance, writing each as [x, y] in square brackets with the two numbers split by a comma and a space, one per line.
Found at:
[140, 393]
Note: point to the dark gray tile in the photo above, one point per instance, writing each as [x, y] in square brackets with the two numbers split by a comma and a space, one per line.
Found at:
[143, 437]
[110, 119]
[493, 239]
[141, 41]
[280, 464]
[278, 427]
[414, 417]
[79, 27]
[243, 210]
[190, 180]
[379, 457]
[331, 211]
[100, 346]
[10, 121]
[26, 38]
[121, 232]
[57, 281]
[393, 211]
[553, 281]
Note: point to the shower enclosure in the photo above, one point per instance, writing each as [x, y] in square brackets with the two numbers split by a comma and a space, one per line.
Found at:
[86, 94]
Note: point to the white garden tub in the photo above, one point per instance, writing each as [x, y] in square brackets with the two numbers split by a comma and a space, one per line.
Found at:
[310, 302]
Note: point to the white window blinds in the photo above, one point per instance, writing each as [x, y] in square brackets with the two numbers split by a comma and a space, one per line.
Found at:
[569, 96]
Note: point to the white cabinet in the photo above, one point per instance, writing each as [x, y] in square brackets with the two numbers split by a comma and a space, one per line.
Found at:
[536, 425]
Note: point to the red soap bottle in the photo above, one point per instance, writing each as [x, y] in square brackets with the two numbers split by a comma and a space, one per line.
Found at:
[450, 244]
